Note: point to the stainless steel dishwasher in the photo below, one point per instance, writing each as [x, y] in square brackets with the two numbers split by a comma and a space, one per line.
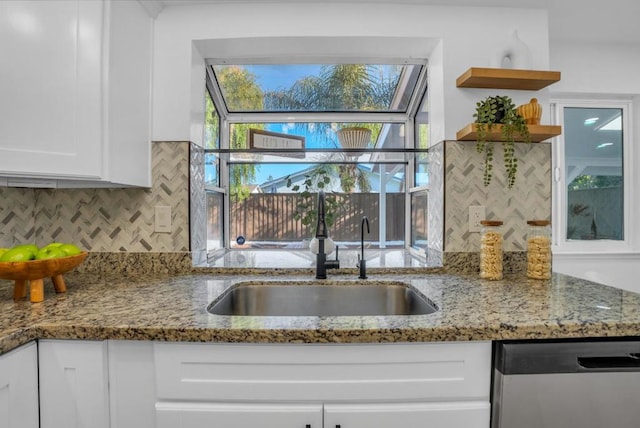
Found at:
[585, 384]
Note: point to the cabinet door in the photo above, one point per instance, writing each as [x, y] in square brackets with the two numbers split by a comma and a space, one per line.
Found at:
[227, 415]
[407, 415]
[73, 384]
[19, 388]
[50, 81]
[132, 393]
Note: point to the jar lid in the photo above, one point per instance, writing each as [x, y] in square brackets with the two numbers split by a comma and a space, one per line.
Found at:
[491, 222]
[538, 222]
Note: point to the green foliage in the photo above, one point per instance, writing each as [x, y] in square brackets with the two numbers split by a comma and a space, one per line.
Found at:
[212, 123]
[351, 177]
[499, 110]
[595, 182]
[423, 136]
[242, 93]
[318, 179]
[339, 88]
[347, 87]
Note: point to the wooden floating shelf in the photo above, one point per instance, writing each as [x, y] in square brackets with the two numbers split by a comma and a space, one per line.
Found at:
[538, 133]
[504, 78]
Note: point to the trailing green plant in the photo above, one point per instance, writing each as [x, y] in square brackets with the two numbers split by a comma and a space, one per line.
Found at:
[317, 179]
[499, 110]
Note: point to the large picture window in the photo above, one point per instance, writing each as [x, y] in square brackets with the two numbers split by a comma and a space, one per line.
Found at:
[356, 123]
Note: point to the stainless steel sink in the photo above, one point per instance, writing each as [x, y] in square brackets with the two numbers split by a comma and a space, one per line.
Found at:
[311, 299]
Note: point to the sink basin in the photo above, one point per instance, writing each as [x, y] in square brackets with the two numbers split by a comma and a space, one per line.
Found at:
[310, 299]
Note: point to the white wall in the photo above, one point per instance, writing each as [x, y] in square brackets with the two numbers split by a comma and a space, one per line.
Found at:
[592, 70]
[464, 37]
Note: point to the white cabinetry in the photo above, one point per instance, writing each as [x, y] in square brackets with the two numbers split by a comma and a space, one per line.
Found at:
[192, 415]
[73, 384]
[407, 415]
[19, 388]
[355, 385]
[122, 384]
[132, 386]
[75, 93]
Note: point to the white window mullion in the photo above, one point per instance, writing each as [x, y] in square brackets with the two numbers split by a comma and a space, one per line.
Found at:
[224, 180]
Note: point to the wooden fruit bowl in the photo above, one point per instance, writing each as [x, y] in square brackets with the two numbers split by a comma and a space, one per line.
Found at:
[35, 271]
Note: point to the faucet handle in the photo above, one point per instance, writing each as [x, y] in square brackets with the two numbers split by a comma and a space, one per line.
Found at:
[333, 264]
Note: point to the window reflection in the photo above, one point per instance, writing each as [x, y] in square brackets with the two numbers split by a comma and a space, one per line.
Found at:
[419, 220]
[594, 173]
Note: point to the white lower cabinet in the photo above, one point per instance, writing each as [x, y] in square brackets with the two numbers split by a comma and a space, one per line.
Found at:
[235, 415]
[473, 414]
[332, 386]
[362, 415]
[132, 384]
[73, 384]
[19, 388]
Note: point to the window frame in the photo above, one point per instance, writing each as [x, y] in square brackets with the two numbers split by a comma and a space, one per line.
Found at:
[561, 244]
[406, 118]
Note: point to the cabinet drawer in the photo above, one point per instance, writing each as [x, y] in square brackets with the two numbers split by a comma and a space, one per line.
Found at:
[468, 414]
[322, 372]
[229, 415]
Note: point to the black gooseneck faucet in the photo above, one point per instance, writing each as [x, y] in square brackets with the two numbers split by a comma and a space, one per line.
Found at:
[362, 263]
[322, 233]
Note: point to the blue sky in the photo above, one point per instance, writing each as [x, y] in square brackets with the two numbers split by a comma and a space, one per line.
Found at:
[312, 140]
[272, 77]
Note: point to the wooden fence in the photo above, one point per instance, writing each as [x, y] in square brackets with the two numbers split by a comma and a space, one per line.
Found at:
[270, 217]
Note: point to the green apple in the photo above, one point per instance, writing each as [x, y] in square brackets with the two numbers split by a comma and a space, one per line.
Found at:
[53, 244]
[69, 249]
[50, 253]
[20, 253]
[31, 247]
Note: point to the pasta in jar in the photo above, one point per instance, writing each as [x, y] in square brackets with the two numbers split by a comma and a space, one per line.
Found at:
[539, 249]
[491, 249]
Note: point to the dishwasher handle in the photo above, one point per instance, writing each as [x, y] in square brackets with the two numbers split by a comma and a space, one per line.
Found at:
[609, 363]
[531, 357]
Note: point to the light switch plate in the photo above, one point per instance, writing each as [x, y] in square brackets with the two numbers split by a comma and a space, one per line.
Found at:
[162, 221]
[476, 215]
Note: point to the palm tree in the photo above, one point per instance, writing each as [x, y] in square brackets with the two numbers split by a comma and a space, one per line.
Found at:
[341, 88]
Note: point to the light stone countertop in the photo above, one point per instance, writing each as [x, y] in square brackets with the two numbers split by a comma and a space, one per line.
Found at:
[173, 308]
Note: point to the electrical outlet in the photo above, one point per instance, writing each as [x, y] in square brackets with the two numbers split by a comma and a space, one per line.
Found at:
[162, 219]
[476, 214]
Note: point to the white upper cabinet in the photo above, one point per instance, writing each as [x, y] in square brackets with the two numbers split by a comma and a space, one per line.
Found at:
[75, 93]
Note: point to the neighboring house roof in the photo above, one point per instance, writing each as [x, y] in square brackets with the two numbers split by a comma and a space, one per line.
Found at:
[254, 188]
[282, 181]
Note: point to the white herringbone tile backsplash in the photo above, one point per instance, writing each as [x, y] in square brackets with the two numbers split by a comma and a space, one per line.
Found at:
[122, 219]
[529, 199]
[17, 224]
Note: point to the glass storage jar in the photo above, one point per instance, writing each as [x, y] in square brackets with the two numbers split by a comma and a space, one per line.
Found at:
[491, 249]
[539, 249]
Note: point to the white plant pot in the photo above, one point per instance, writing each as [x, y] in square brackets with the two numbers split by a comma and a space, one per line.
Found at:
[329, 246]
